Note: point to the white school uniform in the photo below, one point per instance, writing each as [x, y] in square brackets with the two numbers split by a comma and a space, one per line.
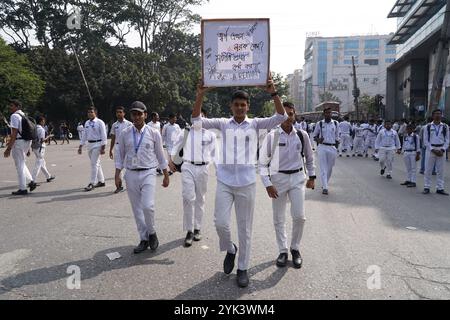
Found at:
[140, 153]
[435, 141]
[387, 143]
[94, 137]
[39, 152]
[411, 147]
[19, 150]
[345, 129]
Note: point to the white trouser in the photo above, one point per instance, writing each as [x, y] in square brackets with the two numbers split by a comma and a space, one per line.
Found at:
[292, 186]
[18, 152]
[346, 143]
[194, 185]
[141, 192]
[431, 161]
[369, 144]
[411, 166]
[96, 167]
[386, 159]
[244, 203]
[327, 159]
[40, 164]
[358, 145]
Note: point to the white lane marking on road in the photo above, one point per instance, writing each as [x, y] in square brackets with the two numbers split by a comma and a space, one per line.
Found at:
[10, 260]
[205, 247]
[411, 228]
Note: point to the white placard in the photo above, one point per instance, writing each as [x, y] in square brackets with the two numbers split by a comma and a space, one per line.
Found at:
[235, 52]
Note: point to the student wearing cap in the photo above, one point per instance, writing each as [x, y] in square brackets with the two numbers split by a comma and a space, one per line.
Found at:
[198, 151]
[411, 154]
[94, 137]
[282, 170]
[326, 134]
[386, 144]
[140, 152]
[236, 173]
[436, 139]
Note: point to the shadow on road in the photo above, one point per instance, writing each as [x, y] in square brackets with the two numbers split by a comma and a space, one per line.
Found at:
[90, 268]
[224, 287]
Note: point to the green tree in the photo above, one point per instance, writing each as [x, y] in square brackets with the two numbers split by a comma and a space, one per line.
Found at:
[328, 96]
[17, 80]
[367, 106]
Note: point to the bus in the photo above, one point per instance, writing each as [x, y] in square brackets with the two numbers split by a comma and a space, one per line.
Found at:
[317, 115]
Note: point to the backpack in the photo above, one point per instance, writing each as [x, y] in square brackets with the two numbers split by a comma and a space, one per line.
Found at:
[321, 126]
[29, 129]
[415, 140]
[302, 140]
[178, 158]
[429, 131]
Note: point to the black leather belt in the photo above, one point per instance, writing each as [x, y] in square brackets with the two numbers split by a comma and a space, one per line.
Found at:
[437, 145]
[199, 163]
[140, 169]
[291, 171]
[410, 150]
[329, 144]
[94, 141]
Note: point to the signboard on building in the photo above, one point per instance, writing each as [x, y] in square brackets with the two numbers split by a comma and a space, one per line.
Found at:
[235, 52]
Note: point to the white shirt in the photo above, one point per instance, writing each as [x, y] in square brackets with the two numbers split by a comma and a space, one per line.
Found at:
[40, 135]
[402, 129]
[231, 170]
[436, 136]
[170, 133]
[371, 131]
[150, 153]
[387, 139]
[118, 127]
[411, 143]
[94, 130]
[16, 122]
[200, 146]
[80, 128]
[345, 127]
[155, 125]
[329, 131]
[359, 132]
[287, 152]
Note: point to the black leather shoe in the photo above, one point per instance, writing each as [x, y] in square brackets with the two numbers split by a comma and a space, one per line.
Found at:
[411, 185]
[282, 260]
[141, 247]
[296, 259]
[51, 179]
[189, 239]
[100, 184]
[197, 235]
[426, 191]
[32, 185]
[19, 193]
[389, 177]
[406, 183]
[325, 191]
[228, 263]
[242, 278]
[118, 190]
[153, 241]
[442, 192]
[90, 187]
[383, 171]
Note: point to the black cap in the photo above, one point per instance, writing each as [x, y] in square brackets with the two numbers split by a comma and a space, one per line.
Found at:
[138, 106]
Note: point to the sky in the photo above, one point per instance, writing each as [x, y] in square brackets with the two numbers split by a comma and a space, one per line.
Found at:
[291, 20]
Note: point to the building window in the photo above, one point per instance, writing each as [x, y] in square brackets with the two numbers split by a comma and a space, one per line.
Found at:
[351, 53]
[351, 44]
[349, 61]
[375, 81]
[336, 44]
[345, 80]
[372, 44]
[371, 62]
[371, 52]
[335, 61]
[390, 51]
[390, 60]
[322, 63]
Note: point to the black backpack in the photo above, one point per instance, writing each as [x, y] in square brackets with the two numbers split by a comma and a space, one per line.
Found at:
[415, 140]
[429, 131]
[29, 128]
[302, 140]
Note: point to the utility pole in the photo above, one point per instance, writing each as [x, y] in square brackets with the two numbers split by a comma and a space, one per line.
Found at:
[356, 91]
[441, 65]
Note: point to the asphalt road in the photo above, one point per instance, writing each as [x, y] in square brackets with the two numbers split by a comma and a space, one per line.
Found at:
[362, 223]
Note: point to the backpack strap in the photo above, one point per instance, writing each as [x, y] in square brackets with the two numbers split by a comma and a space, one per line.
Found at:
[429, 132]
[302, 140]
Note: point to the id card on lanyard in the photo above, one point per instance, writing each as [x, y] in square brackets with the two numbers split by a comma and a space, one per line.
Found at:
[137, 145]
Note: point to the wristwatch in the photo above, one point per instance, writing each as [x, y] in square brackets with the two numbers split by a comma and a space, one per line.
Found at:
[312, 178]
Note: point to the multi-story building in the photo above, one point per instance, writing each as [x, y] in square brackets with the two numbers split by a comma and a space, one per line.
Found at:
[410, 78]
[296, 89]
[328, 67]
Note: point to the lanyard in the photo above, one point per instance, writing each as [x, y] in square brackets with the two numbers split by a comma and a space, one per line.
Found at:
[437, 129]
[390, 136]
[136, 144]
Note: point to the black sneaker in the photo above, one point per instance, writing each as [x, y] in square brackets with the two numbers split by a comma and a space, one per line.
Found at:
[282, 260]
[383, 171]
[412, 185]
[119, 190]
[32, 185]
[242, 278]
[100, 184]
[90, 187]
[197, 235]
[51, 179]
[189, 239]
[389, 177]
[153, 241]
[228, 263]
[19, 192]
[296, 259]
[406, 183]
[426, 191]
[442, 192]
[325, 192]
[143, 245]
